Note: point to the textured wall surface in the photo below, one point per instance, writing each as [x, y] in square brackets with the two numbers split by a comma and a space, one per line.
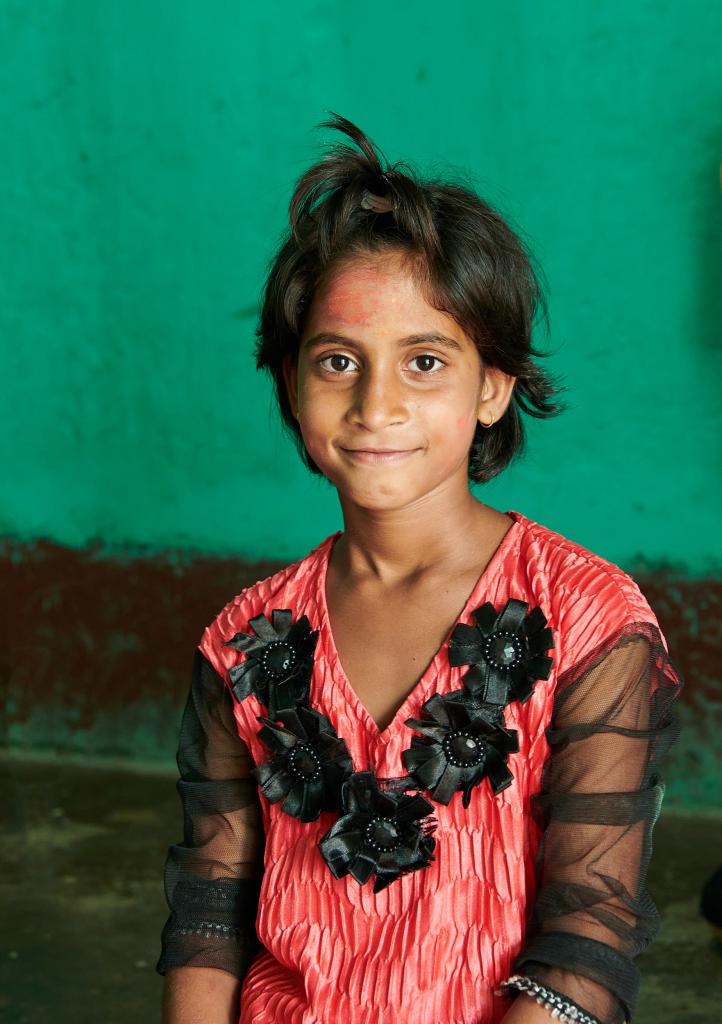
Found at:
[149, 152]
[100, 649]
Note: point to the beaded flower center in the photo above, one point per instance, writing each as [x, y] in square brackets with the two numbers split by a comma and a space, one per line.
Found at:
[304, 762]
[463, 750]
[382, 834]
[503, 649]
[278, 659]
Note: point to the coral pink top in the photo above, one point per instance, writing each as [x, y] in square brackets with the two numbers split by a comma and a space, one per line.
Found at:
[434, 945]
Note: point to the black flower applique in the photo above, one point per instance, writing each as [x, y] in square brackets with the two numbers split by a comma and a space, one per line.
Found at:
[278, 663]
[506, 650]
[378, 833]
[458, 748]
[310, 765]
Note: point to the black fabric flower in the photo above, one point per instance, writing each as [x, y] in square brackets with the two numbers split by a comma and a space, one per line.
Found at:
[278, 663]
[506, 651]
[311, 763]
[378, 833]
[458, 748]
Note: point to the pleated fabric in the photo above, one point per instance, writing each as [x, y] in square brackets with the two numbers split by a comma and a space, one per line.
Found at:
[433, 946]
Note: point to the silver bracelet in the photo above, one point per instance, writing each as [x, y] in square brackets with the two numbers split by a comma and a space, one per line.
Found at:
[560, 1007]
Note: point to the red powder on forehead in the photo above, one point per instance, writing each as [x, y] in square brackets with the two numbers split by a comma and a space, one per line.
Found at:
[352, 297]
[359, 293]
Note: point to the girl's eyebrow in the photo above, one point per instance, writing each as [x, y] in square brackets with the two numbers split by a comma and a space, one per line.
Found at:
[429, 338]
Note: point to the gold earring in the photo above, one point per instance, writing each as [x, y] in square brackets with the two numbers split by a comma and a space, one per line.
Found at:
[490, 424]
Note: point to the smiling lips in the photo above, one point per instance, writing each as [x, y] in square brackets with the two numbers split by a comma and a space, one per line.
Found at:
[378, 456]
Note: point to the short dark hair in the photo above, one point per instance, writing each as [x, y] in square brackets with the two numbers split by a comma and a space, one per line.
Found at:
[473, 267]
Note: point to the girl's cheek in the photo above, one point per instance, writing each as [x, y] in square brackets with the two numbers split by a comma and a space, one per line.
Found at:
[466, 424]
[313, 437]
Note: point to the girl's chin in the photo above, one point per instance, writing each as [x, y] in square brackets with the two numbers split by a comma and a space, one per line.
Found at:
[377, 496]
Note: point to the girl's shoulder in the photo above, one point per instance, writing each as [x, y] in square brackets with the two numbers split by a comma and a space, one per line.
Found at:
[570, 570]
[291, 587]
[589, 600]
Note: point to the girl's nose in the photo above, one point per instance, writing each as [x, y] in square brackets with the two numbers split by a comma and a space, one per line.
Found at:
[378, 400]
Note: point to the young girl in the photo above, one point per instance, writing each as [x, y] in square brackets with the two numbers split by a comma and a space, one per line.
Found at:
[420, 767]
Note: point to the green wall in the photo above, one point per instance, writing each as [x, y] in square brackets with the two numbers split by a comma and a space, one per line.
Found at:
[149, 152]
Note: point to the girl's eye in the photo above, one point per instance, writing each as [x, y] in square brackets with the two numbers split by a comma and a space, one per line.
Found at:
[338, 357]
[427, 358]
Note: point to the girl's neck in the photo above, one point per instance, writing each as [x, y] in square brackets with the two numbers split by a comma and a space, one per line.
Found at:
[400, 546]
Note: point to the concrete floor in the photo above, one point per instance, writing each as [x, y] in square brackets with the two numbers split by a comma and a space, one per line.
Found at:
[81, 855]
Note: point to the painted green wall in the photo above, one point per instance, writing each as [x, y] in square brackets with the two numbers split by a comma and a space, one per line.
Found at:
[149, 151]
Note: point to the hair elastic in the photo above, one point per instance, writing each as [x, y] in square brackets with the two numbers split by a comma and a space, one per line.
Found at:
[377, 204]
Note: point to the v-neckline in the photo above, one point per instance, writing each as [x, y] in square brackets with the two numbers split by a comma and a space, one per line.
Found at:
[419, 689]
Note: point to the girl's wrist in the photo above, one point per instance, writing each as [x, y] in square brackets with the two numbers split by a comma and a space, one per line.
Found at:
[555, 1004]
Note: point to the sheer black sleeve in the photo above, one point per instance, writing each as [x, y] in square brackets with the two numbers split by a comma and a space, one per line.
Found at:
[613, 721]
[213, 877]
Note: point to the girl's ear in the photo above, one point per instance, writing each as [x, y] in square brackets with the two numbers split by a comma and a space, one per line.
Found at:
[290, 377]
[496, 393]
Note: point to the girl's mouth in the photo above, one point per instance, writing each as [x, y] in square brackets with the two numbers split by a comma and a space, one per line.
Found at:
[378, 456]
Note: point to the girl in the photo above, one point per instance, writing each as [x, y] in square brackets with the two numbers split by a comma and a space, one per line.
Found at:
[420, 767]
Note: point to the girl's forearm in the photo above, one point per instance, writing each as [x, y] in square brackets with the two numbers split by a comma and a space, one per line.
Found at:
[200, 995]
[525, 1010]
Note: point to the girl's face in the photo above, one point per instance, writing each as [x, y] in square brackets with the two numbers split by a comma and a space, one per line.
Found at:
[387, 390]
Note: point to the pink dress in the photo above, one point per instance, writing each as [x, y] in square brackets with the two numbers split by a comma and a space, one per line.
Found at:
[434, 946]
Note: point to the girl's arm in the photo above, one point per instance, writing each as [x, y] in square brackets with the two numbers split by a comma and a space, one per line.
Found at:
[612, 724]
[212, 878]
[525, 1010]
[200, 995]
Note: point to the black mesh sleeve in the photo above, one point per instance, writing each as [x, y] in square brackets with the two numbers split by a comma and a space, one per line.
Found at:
[212, 878]
[613, 720]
